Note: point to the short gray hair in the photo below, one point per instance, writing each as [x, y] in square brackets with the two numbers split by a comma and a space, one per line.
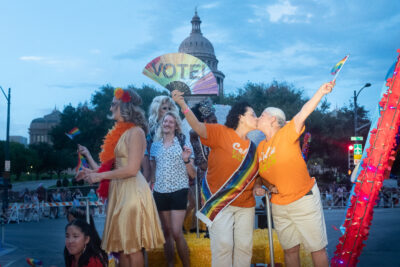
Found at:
[278, 114]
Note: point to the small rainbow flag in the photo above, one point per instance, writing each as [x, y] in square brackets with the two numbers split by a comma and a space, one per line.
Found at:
[339, 65]
[82, 162]
[34, 262]
[74, 132]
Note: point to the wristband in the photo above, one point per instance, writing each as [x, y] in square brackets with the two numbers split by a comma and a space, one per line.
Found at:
[186, 111]
[186, 162]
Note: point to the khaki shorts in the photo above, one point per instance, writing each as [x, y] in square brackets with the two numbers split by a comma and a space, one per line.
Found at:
[301, 221]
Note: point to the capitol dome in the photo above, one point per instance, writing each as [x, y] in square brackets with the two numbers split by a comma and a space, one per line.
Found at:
[199, 46]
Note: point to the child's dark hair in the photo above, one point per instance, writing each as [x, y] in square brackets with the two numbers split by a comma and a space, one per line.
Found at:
[92, 249]
[80, 214]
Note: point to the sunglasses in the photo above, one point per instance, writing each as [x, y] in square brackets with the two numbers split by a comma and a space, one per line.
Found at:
[166, 108]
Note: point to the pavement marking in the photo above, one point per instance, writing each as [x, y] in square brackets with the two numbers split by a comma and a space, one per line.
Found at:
[9, 264]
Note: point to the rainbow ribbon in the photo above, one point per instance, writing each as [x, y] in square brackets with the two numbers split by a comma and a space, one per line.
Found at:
[232, 188]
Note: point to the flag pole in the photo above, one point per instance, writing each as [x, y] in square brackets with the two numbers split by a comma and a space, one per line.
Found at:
[337, 73]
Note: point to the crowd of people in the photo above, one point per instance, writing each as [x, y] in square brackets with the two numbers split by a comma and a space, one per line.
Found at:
[148, 173]
[147, 169]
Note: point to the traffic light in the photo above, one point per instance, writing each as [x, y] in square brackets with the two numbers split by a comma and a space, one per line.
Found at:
[350, 158]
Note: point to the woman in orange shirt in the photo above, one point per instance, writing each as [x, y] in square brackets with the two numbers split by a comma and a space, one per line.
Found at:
[227, 190]
[296, 204]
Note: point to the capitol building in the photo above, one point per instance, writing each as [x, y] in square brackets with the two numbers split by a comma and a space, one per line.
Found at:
[199, 46]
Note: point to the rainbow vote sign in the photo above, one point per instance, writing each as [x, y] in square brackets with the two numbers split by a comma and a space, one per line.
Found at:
[183, 72]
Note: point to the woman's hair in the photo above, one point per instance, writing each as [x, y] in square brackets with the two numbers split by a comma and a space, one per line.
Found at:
[178, 123]
[131, 112]
[278, 114]
[92, 249]
[154, 110]
[233, 117]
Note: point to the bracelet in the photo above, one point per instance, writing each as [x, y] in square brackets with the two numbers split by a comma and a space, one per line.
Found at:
[186, 162]
[186, 111]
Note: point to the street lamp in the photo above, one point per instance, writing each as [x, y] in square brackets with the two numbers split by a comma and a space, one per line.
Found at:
[355, 106]
[7, 151]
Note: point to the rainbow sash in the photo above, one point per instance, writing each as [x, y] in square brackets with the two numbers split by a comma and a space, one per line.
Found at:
[231, 189]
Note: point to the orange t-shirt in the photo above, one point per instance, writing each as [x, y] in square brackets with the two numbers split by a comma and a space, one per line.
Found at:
[281, 164]
[227, 153]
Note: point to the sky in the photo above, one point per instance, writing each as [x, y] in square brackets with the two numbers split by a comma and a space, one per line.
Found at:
[55, 53]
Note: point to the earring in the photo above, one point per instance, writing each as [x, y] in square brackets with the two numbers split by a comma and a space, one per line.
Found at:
[84, 248]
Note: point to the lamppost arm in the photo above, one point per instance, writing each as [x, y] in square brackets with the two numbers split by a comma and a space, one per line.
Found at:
[4, 93]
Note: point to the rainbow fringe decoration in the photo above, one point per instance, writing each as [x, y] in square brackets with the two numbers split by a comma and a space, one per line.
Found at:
[232, 188]
[74, 132]
[81, 162]
[34, 262]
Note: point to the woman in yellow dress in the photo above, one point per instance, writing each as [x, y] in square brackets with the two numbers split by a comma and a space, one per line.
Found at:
[132, 221]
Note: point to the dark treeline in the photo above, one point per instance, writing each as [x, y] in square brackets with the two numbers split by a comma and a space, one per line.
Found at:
[330, 129]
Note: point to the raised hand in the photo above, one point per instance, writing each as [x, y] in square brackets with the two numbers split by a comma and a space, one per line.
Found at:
[186, 153]
[177, 96]
[326, 88]
[83, 150]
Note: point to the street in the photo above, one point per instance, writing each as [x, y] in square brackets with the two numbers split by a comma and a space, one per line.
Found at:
[44, 240]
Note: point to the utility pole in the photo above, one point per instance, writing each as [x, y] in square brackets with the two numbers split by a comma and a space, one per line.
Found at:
[7, 163]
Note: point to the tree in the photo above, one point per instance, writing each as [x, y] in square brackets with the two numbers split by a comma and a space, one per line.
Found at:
[20, 156]
[44, 158]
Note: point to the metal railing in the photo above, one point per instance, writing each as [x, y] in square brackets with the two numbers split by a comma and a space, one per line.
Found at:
[387, 199]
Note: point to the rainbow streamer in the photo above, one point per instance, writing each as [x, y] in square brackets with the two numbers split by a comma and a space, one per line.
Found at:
[81, 162]
[74, 132]
[232, 188]
[339, 65]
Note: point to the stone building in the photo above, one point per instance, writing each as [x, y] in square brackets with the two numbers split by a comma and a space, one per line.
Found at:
[199, 46]
[39, 130]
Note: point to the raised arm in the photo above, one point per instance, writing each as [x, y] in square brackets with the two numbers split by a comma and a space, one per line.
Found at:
[311, 105]
[197, 126]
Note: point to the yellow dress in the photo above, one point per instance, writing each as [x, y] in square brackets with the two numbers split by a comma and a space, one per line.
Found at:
[132, 221]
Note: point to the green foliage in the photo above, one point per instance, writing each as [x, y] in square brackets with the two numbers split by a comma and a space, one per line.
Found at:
[20, 156]
[261, 96]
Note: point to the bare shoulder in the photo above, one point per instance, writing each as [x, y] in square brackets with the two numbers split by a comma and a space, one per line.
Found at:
[136, 133]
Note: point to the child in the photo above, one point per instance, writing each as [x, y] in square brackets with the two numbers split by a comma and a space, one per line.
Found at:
[81, 250]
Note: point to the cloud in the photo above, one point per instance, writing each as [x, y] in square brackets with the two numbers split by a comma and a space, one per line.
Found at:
[75, 85]
[31, 58]
[210, 6]
[283, 11]
[59, 63]
[95, 51]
